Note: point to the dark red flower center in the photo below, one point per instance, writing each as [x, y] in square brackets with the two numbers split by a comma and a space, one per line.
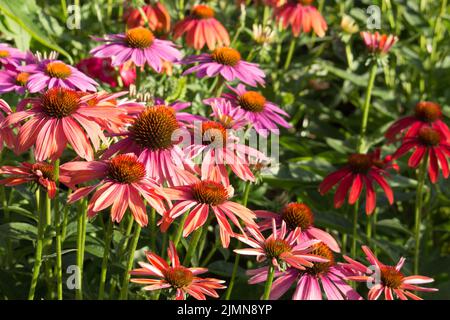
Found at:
[252, 101]
[202, 12]
[58, 70]
[22, 78]
[59, 102]
[47, 170]
[360, 163]
[275, 247]
[154, 128]
[139, 37]
[126, 169]
[213, 132]
[297, 215]
[178, 277]
[429, 136]
[209, 192]
[4, 53]
[428, 111]
[226, 56]
[390, 277]
[322, 250]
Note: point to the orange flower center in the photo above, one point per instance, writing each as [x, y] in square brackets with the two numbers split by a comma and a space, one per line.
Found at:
[428, 111]
[226, 56]
[46, 169]
[360, 163]
[213, 131]
[4, 53]
[154, 127]
[209, 192]
[139, 37]
[297, 215]
[59, 102]
[303, 2]
[22, 78]
[126, 169]
[252, 101]
[178, 277]
[429, 136]
[390, 277]
[322, 250]
[275, 247]
[202, 12]
[58, 70]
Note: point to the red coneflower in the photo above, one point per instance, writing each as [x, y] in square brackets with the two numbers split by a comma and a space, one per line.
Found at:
[297, 215]
[122, 183]
[281, 248]
[387, 279]
[427, 114]
[158, 18]
[41, 173]
[7, 136]
[59, 117]
[183, 280]
[428, 143]
[360, 171]
[378, 43]
[202, 29]
[302, 16]
[202, 197]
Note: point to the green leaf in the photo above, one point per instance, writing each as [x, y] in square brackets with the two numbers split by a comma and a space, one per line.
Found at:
[18, 231]
[25, 13]
[225, 269]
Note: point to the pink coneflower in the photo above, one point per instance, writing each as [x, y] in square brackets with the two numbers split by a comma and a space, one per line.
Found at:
[202, 197]
[138, 45]
[201, 28]
[184, 281]
[58, 117]
[151, 136]
[11, 56]
[227, 115]
[228, 63]
[387, 279]
[327, 277]
[122, 185]
[428, 143]
[281, 248]
[127, 72]
[157, 18]
[302, 17]
[378, 43]
[360, 171]
[7, 136]
[13, 80]
[47, 74]
[297, 215]
[41, 174]
[218, 148]
[99, 68]
[427, 114]
[264, 115]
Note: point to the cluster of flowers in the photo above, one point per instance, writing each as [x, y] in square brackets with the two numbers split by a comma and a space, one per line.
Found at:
[127, 154]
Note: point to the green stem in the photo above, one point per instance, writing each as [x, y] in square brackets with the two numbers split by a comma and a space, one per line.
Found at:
[180, 230]
[366, 107]
[287, 63]
[39, 244]
[153, 229]
[64, 9]
[108, 237]
[193, 245]
[355, 228]
[129, 266]
[6, 219]
[269, 281]
[418, 210]
[237, 257]
[81, 230]
[349, 55]
[58, 267]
